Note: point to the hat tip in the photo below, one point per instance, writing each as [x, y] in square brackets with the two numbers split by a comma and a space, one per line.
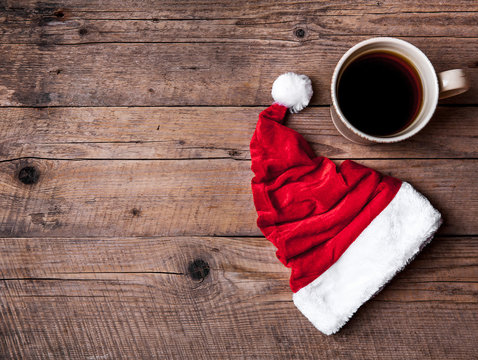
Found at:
[292, 90]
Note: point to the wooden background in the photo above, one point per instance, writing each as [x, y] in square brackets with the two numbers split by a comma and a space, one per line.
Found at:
[132, 232]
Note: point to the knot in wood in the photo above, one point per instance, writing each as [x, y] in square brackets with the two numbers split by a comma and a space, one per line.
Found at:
[300, 33]
[198, 269]
[28, 175]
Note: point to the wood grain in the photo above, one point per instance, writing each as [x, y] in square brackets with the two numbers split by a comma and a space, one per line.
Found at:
[186, 197]
[137, 116]
[203, 132]
[448, 258]
[65, 26]
[211, 10]
[115, 312]
[430, 276]
[158, 74]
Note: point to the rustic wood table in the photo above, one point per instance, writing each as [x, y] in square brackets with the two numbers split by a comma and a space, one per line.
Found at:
[126, 217]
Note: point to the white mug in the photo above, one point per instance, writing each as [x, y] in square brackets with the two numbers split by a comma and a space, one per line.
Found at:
[435, 86]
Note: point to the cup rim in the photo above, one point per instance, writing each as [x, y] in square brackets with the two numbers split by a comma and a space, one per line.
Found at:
[378, 139]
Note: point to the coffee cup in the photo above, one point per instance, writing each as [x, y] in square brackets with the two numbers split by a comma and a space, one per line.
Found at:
[385, 90]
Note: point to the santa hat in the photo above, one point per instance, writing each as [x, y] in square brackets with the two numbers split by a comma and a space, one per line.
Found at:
[345, 230]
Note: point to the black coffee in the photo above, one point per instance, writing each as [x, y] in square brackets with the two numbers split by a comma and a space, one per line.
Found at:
[380, 93]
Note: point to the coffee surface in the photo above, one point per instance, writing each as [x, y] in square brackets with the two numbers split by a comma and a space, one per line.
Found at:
[380, 93]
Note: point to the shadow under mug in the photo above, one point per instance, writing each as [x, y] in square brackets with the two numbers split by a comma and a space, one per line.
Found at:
[435, 86]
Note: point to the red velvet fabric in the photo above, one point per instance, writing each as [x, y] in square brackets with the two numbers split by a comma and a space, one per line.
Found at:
[308, 207]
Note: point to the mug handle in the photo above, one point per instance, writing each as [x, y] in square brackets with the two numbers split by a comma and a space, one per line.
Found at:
[452, 82]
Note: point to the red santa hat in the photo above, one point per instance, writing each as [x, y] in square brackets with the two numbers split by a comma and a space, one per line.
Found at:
[345, 230]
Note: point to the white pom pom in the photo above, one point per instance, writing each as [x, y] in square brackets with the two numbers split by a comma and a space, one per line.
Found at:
[293, 91]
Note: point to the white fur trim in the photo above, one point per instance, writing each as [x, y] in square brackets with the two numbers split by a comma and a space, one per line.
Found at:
[293, 91]
[388, 243]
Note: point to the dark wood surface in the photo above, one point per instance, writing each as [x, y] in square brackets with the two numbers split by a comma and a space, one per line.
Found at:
[131, 234]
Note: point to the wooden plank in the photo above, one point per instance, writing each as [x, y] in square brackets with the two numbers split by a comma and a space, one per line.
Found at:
[187, 197]
[190, 73]
[67, 27]
[84, 304]
[202, 132]
[117, 321]
[207, 10]
[447, 260]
